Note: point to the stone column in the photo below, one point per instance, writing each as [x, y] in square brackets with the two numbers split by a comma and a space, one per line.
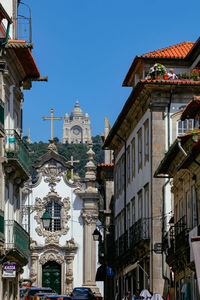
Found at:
[89, 251]
[69, 273]
[89, 214]
[34, 268]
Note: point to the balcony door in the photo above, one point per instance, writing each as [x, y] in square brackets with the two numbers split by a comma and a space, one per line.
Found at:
[51, 276]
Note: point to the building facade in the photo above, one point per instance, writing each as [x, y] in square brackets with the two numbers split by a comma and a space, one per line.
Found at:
[63, 255]
[181, 164]
[76, 127]
[147, 125]
[17, 71]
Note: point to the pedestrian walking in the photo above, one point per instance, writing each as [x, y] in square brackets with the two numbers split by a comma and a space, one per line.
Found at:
[156, 297]
[145, 294]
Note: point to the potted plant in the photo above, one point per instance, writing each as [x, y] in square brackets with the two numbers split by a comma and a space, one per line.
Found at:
[157, 71]
[195, 74]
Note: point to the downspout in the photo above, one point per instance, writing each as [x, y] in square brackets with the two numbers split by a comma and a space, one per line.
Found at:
[164, 187]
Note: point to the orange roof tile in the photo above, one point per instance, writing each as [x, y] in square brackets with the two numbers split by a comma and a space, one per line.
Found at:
[191, 109]
[105, 165]
[176, 51]
[23, 53]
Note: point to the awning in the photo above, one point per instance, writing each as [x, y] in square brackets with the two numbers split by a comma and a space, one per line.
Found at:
[130, 268]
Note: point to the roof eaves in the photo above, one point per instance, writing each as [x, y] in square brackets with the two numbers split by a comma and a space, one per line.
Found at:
[196, 44]
[122, 114]
[171, 153]
[166, 158]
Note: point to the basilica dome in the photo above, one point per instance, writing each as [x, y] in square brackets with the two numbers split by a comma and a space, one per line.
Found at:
[77, 111]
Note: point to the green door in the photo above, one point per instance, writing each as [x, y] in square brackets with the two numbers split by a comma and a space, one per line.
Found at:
[51, 276]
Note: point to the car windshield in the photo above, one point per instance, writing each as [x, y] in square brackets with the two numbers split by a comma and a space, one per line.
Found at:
[81, 291]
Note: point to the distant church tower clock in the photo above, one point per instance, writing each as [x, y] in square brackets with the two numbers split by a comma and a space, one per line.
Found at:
[76, 127]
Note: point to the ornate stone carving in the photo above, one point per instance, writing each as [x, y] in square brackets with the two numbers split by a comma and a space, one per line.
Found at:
[89, 218]
[52, 173]
[51, 257]
[71, 244]
[52, 237]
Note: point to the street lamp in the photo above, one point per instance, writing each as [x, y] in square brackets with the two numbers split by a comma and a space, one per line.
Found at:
[96, 235]
[46, 219]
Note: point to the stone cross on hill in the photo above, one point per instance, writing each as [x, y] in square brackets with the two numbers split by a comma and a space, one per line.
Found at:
[72, 161]
[52, 118]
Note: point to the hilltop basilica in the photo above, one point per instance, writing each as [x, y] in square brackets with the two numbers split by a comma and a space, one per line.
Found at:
[76, 127]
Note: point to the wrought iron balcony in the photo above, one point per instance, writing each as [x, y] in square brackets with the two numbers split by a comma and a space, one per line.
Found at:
[16, 149]
[16, 238]
[1, 225]
[139, 231]
[1, 119]
[181, 233]
[24, 30]
[177, 237]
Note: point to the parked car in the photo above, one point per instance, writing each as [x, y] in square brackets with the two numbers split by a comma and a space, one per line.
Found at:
[82, 293]
[39, 296]
[22, 292]
[32, 291]
[56, 297]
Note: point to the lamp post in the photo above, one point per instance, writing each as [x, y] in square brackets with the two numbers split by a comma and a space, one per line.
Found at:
[96, 235]
[46, 219]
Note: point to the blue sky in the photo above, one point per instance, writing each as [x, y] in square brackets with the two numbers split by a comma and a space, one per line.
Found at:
[86, 47]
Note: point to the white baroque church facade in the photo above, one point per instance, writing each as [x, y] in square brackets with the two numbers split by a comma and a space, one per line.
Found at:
[64, 255]
[76, 127]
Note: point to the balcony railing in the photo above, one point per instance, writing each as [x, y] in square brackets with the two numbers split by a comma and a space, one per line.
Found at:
[17, 238]
[1, 118]
[139, 231]
[1, 225]
[16, 148]
[24, 30]
[177, 236]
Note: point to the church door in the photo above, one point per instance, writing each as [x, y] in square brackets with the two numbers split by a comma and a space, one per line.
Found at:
[51, 276]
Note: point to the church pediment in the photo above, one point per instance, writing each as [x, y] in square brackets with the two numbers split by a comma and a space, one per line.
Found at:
[52, 156]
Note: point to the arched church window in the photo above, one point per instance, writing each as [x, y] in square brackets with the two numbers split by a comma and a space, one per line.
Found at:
[54, 209]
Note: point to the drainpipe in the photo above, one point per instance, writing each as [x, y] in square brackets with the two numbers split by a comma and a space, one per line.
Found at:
[165, 184]
[180, 147]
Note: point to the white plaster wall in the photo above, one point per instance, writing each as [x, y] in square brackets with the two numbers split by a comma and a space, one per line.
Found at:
[75, 223]
[144, 175]
[8, 6]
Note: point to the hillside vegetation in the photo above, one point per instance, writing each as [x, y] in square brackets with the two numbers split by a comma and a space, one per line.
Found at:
[78, 151]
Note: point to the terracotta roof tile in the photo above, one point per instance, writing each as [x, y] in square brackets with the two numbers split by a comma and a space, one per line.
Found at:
[23, 53]
[191, 109]
[171, 81]
[176, 51]
[105, 165]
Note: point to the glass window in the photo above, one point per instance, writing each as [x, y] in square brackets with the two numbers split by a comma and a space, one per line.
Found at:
[146, 141]
[194, 207]
[54, 209]
[133, 211]
[185, 126]
[140, 149]
[128, 165]
[133, 157]
[188, 209]
[140, 213]
[146, 201]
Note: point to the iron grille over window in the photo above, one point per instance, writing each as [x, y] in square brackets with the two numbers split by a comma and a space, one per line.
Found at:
[54, 209]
